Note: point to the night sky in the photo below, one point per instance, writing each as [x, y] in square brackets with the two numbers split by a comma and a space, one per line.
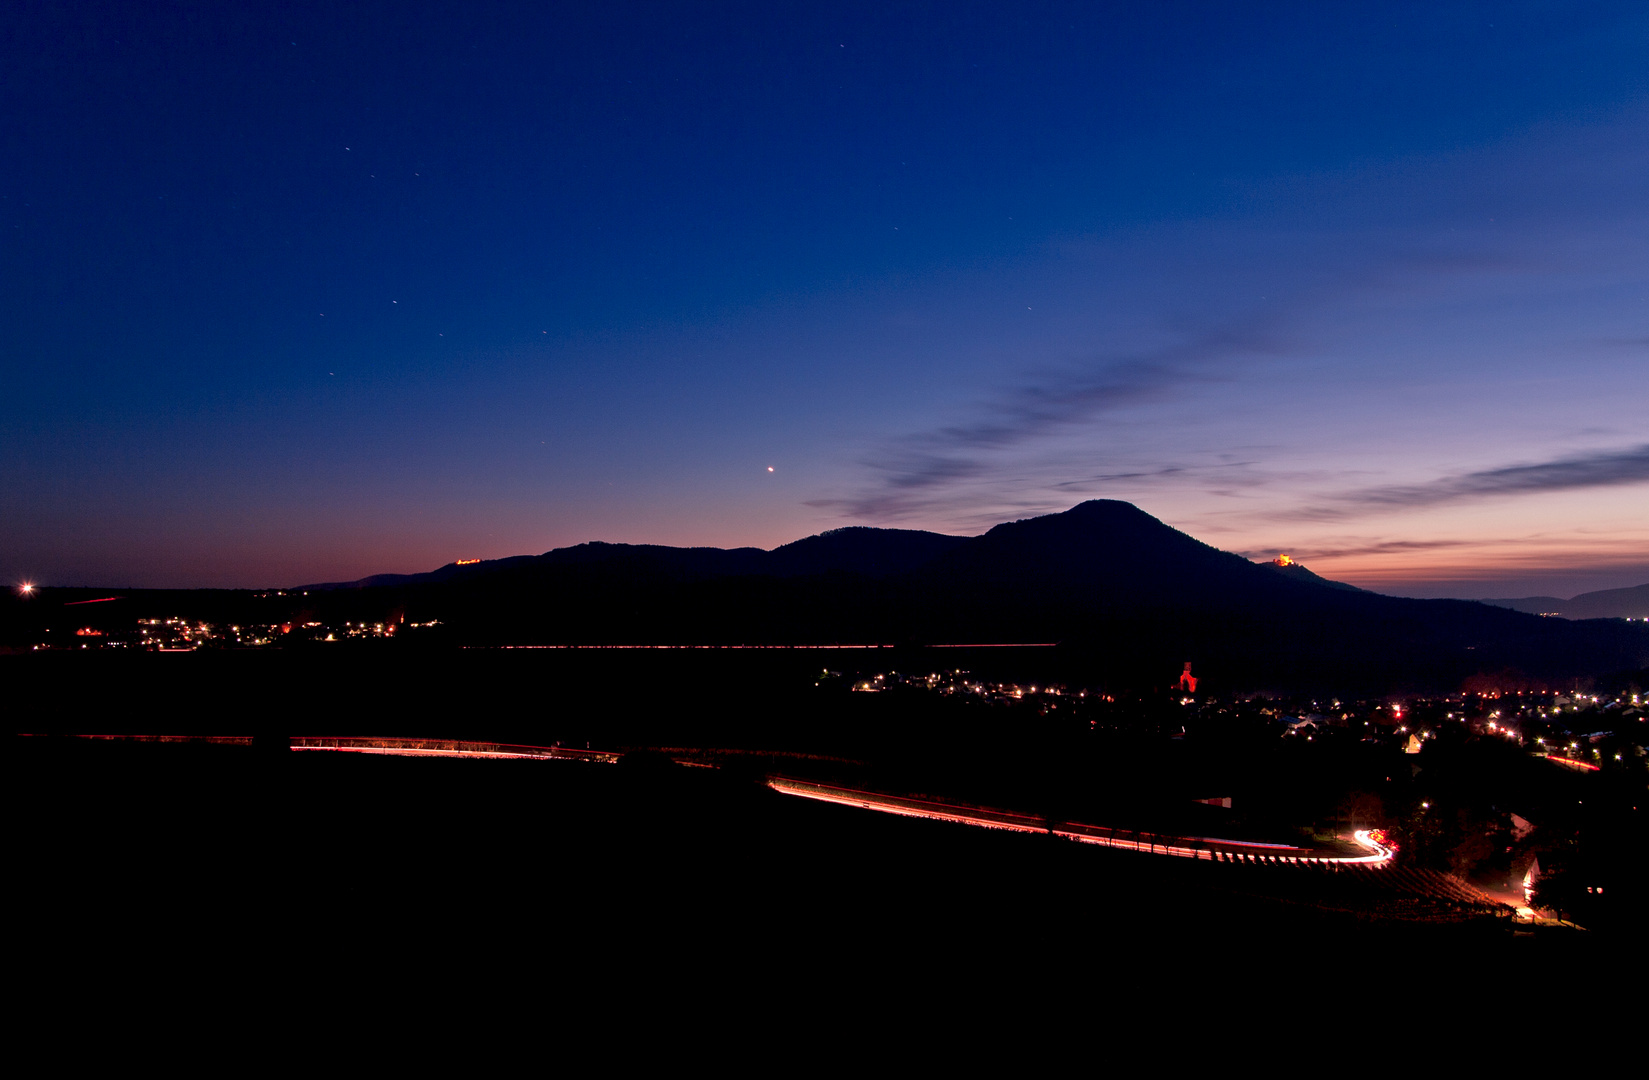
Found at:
[304, 293]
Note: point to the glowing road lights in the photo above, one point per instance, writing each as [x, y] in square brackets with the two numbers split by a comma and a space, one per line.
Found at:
[1186, 847]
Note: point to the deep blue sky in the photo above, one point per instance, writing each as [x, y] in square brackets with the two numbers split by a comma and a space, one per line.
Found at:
[316, 291]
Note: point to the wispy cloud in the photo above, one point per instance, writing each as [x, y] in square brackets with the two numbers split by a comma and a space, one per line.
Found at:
[1165, 472]
[916, 472]
[1308, 275]
[1604, 468]
[1373, 547]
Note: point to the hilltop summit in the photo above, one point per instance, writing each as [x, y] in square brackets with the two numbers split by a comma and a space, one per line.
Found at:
[1122, 593]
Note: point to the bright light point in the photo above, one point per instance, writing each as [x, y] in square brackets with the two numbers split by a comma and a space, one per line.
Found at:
[26, 589]
[770, 468]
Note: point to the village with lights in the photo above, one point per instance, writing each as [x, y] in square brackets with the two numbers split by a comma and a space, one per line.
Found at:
[1575, 729]
[1488, 789]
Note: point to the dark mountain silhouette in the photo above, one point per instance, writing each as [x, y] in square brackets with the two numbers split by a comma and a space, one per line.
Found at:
[1632, 603]
[1114, 554]
[1532, 605]
[1299, 573]
[1126, 597]
[874, 553]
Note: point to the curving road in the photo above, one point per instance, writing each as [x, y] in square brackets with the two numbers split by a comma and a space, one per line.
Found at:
[1186, 847]
[1217, 849]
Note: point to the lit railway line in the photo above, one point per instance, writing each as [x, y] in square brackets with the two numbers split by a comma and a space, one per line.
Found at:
[446, 748]
[383, 744]
[419, 751]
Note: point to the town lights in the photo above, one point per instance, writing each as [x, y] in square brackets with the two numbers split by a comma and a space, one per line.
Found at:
[25, 588]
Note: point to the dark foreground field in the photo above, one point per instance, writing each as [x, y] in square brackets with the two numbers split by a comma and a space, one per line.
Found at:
[154, 873]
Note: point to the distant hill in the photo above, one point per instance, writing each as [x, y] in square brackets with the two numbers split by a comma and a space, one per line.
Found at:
[1632, 603]
[860, 550]
[1533, 605]
[1127, 598]
[1294, 570]
[870, 552]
